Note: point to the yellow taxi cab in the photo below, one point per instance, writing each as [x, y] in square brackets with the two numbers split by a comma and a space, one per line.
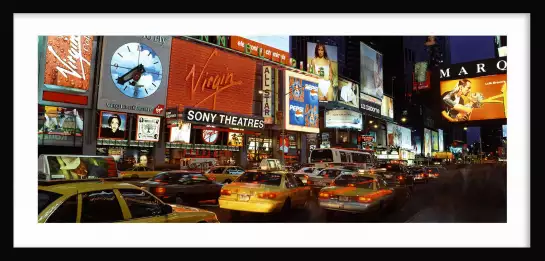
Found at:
[139, 172]
[357, 193]
[98, 201]
[264, 190]
[224, 174]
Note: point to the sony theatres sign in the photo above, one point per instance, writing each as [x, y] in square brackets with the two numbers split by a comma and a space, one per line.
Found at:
[473, 69]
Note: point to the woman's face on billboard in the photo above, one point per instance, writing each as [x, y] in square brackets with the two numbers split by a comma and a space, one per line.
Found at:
[320, 51]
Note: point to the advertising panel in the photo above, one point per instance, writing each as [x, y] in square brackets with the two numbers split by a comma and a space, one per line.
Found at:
[418, 145]
[344, 119]
[473, 69]
[302, 103]
[222, 119]
[180, 133]
[421, 76]
[267, 104]
[504, 130]
[112, 125]
[74, 167]
[434, 141]
[61, 121]
[399, 136]
[235, 139]
[66, 65]
[259, 49]
[134, 74]
[349, 93]
[210, 78]
[370, 105]
[387, 108]
[441, 142]
[322, 60]
[427, 143]
[147, 128]
[471, 99]
[280, 42]
[371, 71]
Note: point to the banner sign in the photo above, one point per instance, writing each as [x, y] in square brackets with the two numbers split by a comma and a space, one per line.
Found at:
[223, 119]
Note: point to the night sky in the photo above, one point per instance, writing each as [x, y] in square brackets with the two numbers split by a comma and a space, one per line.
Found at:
[473, 134]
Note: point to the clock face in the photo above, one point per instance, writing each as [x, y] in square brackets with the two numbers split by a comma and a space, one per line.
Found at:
[210, 136]
[136, 70]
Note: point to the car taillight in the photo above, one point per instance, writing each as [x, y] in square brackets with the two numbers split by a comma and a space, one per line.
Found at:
[365, 199]
[211, 177]
[400, 177]
[309, 182]
[267, 195]
[306, 176]
[437, 175]
[225, 192]
[325, 195]
[351, 185]
[160, 190]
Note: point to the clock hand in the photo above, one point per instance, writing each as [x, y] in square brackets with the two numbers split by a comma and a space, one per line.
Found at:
[130, 74]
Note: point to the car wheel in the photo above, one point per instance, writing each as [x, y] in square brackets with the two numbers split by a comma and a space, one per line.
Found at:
[180, 199]
[329, 215]
[235, 215]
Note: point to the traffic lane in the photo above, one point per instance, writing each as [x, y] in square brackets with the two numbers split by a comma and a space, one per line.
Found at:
[401, 212]
[474, 193]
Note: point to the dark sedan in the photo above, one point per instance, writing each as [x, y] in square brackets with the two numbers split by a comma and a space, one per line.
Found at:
[396, 175]
[182, 187]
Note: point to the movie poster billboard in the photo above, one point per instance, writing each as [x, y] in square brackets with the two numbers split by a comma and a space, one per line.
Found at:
[301, 94]
[147, 128]
[474, 91]
[427, 143]
[399, 136]
[180, 133]
[66, 64]
[387, 107]
[418, 145]
[371, 71]
[472, 99]
[112, 125]
[61, 121]
[349, 93]
[441, 142]
[322, 60]
[435, 141]
[421, 76]
[343, 119]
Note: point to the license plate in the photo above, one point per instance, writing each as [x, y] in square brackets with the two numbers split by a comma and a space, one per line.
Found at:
[343, 198]
[243, 197]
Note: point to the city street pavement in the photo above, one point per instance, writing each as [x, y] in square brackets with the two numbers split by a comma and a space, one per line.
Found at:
[476, 193]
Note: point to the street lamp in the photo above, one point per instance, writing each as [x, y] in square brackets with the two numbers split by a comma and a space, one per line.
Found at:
[376, 126]
[371, 122]
[403, 119]
[465, 128]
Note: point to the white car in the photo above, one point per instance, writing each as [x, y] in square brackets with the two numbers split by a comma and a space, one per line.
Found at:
[306, 172]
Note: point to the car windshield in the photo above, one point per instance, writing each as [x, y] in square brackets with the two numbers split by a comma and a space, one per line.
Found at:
[45, 198]
[330, 173]
[354, 181]
[258, 177]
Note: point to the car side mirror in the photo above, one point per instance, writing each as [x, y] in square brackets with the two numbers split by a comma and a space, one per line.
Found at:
[166, 209]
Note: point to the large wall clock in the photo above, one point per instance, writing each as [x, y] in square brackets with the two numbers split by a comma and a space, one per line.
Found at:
[136, 70]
